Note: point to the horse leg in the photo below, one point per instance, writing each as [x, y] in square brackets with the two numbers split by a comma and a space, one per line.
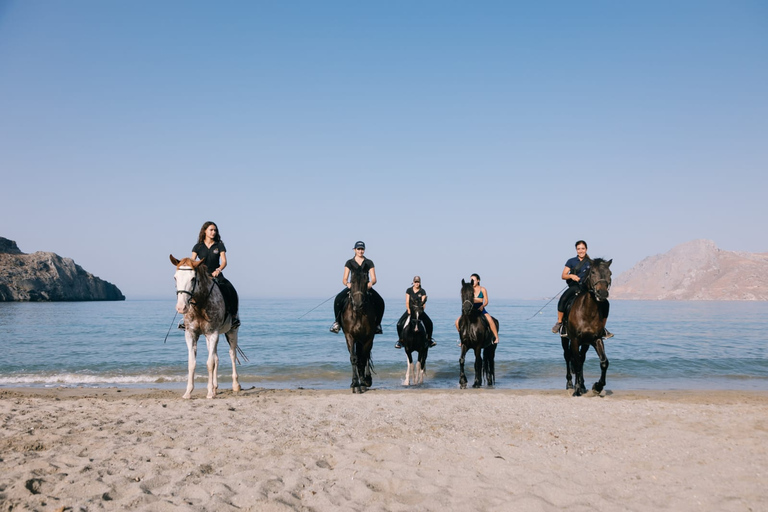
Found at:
[191, 361]
[365, 368]
[577, 360]
[212, 340]
[567, 357]
[421, 367]
[351, 345]
[462, 375]
[489, 370]
[409, 368]
[478, 368]
[232, 340]
[600, 349]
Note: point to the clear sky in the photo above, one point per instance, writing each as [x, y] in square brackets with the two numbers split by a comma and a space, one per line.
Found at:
[451, 136]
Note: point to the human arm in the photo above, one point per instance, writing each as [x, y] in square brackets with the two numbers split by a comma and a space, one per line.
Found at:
[567, 275]
[408, 303]
[222, 264]
[345, 278]
[372, 274]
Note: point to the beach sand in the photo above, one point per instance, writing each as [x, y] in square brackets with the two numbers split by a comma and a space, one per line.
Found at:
[410, 449]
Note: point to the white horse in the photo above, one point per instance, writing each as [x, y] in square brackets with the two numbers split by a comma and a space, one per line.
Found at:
[202, 304]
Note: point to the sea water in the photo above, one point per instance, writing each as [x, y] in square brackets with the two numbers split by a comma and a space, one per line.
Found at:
[658, 345]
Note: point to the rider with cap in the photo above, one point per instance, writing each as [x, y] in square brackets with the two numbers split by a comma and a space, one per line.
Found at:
[417, 294]
[359, 261]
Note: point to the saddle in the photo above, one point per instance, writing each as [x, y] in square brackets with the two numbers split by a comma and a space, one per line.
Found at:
[231, 300]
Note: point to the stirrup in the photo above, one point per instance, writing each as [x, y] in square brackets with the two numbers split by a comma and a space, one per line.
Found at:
[432, 343]
[608, 334]
[182, 327]
[398, 344]
[378, 329]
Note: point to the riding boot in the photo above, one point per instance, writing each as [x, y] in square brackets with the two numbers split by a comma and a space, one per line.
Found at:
[378, 329]
[182, 326]
[432, 343]
[607, 334]
[336, 327]
[399, 344]
[556, 327]
[235, 321]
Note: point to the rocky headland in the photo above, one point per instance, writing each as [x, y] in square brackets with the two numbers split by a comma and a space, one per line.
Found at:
[695, 270]
[46, 276]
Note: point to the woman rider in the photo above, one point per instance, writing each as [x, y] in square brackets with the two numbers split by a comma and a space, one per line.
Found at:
[212, 251]
[575, 271]
[481, 300]
[359, 261]
[417, 294]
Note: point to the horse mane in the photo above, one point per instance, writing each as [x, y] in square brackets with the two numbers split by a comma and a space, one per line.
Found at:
[598, 261]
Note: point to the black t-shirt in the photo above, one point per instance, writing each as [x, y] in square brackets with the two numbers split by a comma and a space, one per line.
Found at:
[418, 297]
[367, 265]
[210, 255]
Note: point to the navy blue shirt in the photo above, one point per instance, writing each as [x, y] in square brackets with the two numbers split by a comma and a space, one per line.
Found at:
[583, 271]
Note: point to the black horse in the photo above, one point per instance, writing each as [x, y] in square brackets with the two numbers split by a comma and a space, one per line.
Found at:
[415, 340]
[358, 321]
[476, 334]
[585, 325]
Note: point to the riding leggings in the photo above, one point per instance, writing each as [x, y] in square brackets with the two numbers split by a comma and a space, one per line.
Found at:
[423, 317]
[569, 294]
[341, 300]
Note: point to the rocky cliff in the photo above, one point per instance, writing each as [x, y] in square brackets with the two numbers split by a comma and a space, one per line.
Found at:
[696, 270]
[45, 276]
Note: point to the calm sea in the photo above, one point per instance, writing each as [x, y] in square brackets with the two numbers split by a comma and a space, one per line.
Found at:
[658, 345]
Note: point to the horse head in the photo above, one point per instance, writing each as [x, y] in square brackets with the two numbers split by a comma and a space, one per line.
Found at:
[416, 308]
[358, 291]
[599, 279]
[188, 275]
[467, 297]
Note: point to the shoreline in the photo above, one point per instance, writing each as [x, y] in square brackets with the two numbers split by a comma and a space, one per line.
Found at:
[423, 449]
[701, 396]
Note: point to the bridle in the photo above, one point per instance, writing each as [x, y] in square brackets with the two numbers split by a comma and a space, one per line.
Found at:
[593, 284]
[191, 293]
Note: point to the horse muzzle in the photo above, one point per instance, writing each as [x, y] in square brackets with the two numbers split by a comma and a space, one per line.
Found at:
[182, 301]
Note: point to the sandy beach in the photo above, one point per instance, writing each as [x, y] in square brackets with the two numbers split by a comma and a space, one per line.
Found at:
[414, 449]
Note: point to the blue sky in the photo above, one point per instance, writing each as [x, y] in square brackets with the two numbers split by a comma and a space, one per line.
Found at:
[452, 137]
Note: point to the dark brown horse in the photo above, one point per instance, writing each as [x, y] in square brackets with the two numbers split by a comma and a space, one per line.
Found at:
[585, 326]
[359, 321]
[415, 340]
[476, 334]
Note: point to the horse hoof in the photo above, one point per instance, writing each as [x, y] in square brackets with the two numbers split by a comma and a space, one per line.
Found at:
[476, 385]
[569, 385]
[186, 396]
[463, 385]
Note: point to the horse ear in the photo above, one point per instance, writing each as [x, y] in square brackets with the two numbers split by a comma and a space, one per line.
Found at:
[197, 263]
[610, 261]
[174, 261]
[462, 282]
